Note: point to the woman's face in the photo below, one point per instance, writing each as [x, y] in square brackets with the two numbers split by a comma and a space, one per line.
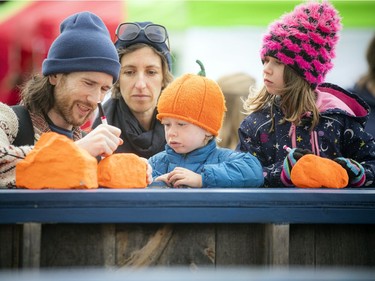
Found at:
[273, 75]
[141, 80]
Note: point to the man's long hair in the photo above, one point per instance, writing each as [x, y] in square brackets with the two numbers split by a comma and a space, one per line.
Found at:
[37, 94]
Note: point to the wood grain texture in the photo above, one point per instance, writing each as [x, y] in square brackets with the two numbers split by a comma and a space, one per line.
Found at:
[31, 245]
[10, 246]
[332, 245]
[240, 244]
[193, 245]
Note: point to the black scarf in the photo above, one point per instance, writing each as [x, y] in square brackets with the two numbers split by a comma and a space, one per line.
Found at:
[136, 139]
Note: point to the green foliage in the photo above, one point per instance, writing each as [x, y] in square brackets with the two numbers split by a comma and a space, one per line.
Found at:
[180, 14]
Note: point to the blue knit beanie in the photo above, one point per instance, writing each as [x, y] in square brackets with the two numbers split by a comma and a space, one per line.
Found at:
[141, 38]
[84, 44]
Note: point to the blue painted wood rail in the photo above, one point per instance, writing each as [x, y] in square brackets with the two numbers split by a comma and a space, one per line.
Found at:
[159, 205]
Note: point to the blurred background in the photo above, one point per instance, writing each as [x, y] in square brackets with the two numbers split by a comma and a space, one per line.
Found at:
[225, 35]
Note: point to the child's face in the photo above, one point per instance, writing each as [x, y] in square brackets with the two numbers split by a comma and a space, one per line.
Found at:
[273, 75]
[182, 136]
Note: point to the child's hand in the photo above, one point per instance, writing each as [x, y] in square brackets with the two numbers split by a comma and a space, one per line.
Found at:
[148, 171]
[355, 171]
[180, 177]
[163, 178]
[290, 160]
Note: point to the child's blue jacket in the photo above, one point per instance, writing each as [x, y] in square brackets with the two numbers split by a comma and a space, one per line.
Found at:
[219, 167]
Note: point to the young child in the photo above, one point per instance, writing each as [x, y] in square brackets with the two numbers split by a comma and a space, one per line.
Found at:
[294, 109]
[192, 111]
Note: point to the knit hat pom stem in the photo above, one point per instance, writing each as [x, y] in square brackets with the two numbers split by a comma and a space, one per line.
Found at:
[202, 72]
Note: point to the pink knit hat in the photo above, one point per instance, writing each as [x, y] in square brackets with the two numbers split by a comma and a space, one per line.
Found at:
[305, 40]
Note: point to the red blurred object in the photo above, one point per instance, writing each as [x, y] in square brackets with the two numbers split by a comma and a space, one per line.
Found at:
[26, 37]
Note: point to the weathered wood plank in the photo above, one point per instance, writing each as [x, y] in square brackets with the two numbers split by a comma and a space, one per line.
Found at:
[10, 246]
[190, 245]
[195, 245]
[141, 245]
[31, 245]
[302, 244]
[109, 244]
[165, 244]
[332, 245]
[73, 245]
[240, 244]
[277, 244]
[349, 245]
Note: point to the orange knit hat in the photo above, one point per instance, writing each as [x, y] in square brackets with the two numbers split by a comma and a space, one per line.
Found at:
[195, 99]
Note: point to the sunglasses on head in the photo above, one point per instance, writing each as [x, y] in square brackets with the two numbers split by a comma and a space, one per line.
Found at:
[154, 32]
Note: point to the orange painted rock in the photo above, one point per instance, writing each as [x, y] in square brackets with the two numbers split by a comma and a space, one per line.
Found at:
[57, 162]
[122, 170]
[314, 171]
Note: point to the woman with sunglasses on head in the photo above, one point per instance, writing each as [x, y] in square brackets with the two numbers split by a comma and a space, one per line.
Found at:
[145, 71]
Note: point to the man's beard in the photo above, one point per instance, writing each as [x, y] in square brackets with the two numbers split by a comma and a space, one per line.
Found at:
[64, 107]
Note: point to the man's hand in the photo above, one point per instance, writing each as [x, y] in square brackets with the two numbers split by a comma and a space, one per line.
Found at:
[102, 141]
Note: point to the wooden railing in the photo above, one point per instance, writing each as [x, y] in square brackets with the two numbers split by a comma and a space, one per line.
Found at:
[271, 211]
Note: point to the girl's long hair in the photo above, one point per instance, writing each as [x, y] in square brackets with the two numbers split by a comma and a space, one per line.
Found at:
[296, 99]
[167, 75]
